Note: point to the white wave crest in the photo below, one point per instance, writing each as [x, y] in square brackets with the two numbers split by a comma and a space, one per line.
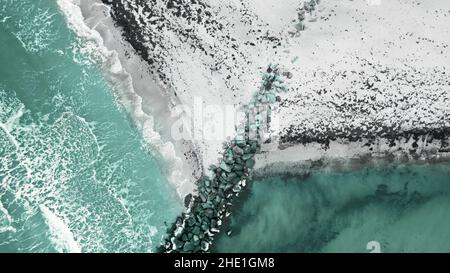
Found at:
[5, 220]
[60, 234]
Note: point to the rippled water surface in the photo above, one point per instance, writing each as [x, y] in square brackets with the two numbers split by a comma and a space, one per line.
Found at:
[74, 173]
[401, 208]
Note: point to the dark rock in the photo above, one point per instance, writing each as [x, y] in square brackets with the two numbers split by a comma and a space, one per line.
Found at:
[229, 160]
[214, 184]
[190, 222]
[247, 156]
[187, 200]
[209, 213]
[221, 193]
[188, 247]
[241, 143]
[248, 150]
[228, 187]
[196, 230]
[288, 74]
[238, 150]
[224, 175]
[202, 196]
[178, 244]
[204, 245]
[222, 182]
[197, 248]
[239, 161]
[250, 163]
[235, 180]
[238, 167]
[205, 227]
[240, 173]
[225, 167]
[206, 220]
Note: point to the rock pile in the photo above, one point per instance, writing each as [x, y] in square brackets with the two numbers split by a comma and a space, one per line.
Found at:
[194, 231]
[308, 7]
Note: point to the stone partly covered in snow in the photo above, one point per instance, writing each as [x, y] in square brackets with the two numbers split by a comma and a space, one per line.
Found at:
[308, 8]
[194, 231]
[224, 166]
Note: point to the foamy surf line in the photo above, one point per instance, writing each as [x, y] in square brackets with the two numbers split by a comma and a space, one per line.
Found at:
[104, 47]
[60, 235]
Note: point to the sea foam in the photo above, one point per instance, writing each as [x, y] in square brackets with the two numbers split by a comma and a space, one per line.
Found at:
[60, 235]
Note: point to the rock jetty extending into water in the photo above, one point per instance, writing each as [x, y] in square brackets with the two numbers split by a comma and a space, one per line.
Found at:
[194, 230]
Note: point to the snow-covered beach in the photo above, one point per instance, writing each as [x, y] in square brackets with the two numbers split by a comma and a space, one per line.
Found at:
[368, 77]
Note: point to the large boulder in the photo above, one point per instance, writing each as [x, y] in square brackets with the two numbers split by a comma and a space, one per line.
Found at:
[250, 163]
[188, 247]
[224, 166]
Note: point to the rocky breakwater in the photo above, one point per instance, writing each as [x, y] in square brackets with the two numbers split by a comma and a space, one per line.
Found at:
[194, 230]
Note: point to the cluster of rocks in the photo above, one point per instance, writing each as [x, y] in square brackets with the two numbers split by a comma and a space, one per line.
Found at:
[160, 31]
[194, 230]
[369, 135]
[308, 7]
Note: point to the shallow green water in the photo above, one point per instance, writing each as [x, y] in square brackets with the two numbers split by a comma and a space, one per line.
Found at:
[342, 212]
[74, 173]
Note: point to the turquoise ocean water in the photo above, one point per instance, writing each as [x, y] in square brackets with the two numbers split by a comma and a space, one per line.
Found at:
[74, 173]
[402, 208]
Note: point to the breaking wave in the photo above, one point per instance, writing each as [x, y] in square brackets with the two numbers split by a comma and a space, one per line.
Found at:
[61, 236]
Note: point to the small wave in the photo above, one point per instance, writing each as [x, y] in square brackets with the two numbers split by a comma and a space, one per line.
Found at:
[5, 220]
[61, 236]
[35, 32]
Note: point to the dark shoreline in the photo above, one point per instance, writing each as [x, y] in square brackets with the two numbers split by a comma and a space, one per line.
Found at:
[391, 134]
[180, 17]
